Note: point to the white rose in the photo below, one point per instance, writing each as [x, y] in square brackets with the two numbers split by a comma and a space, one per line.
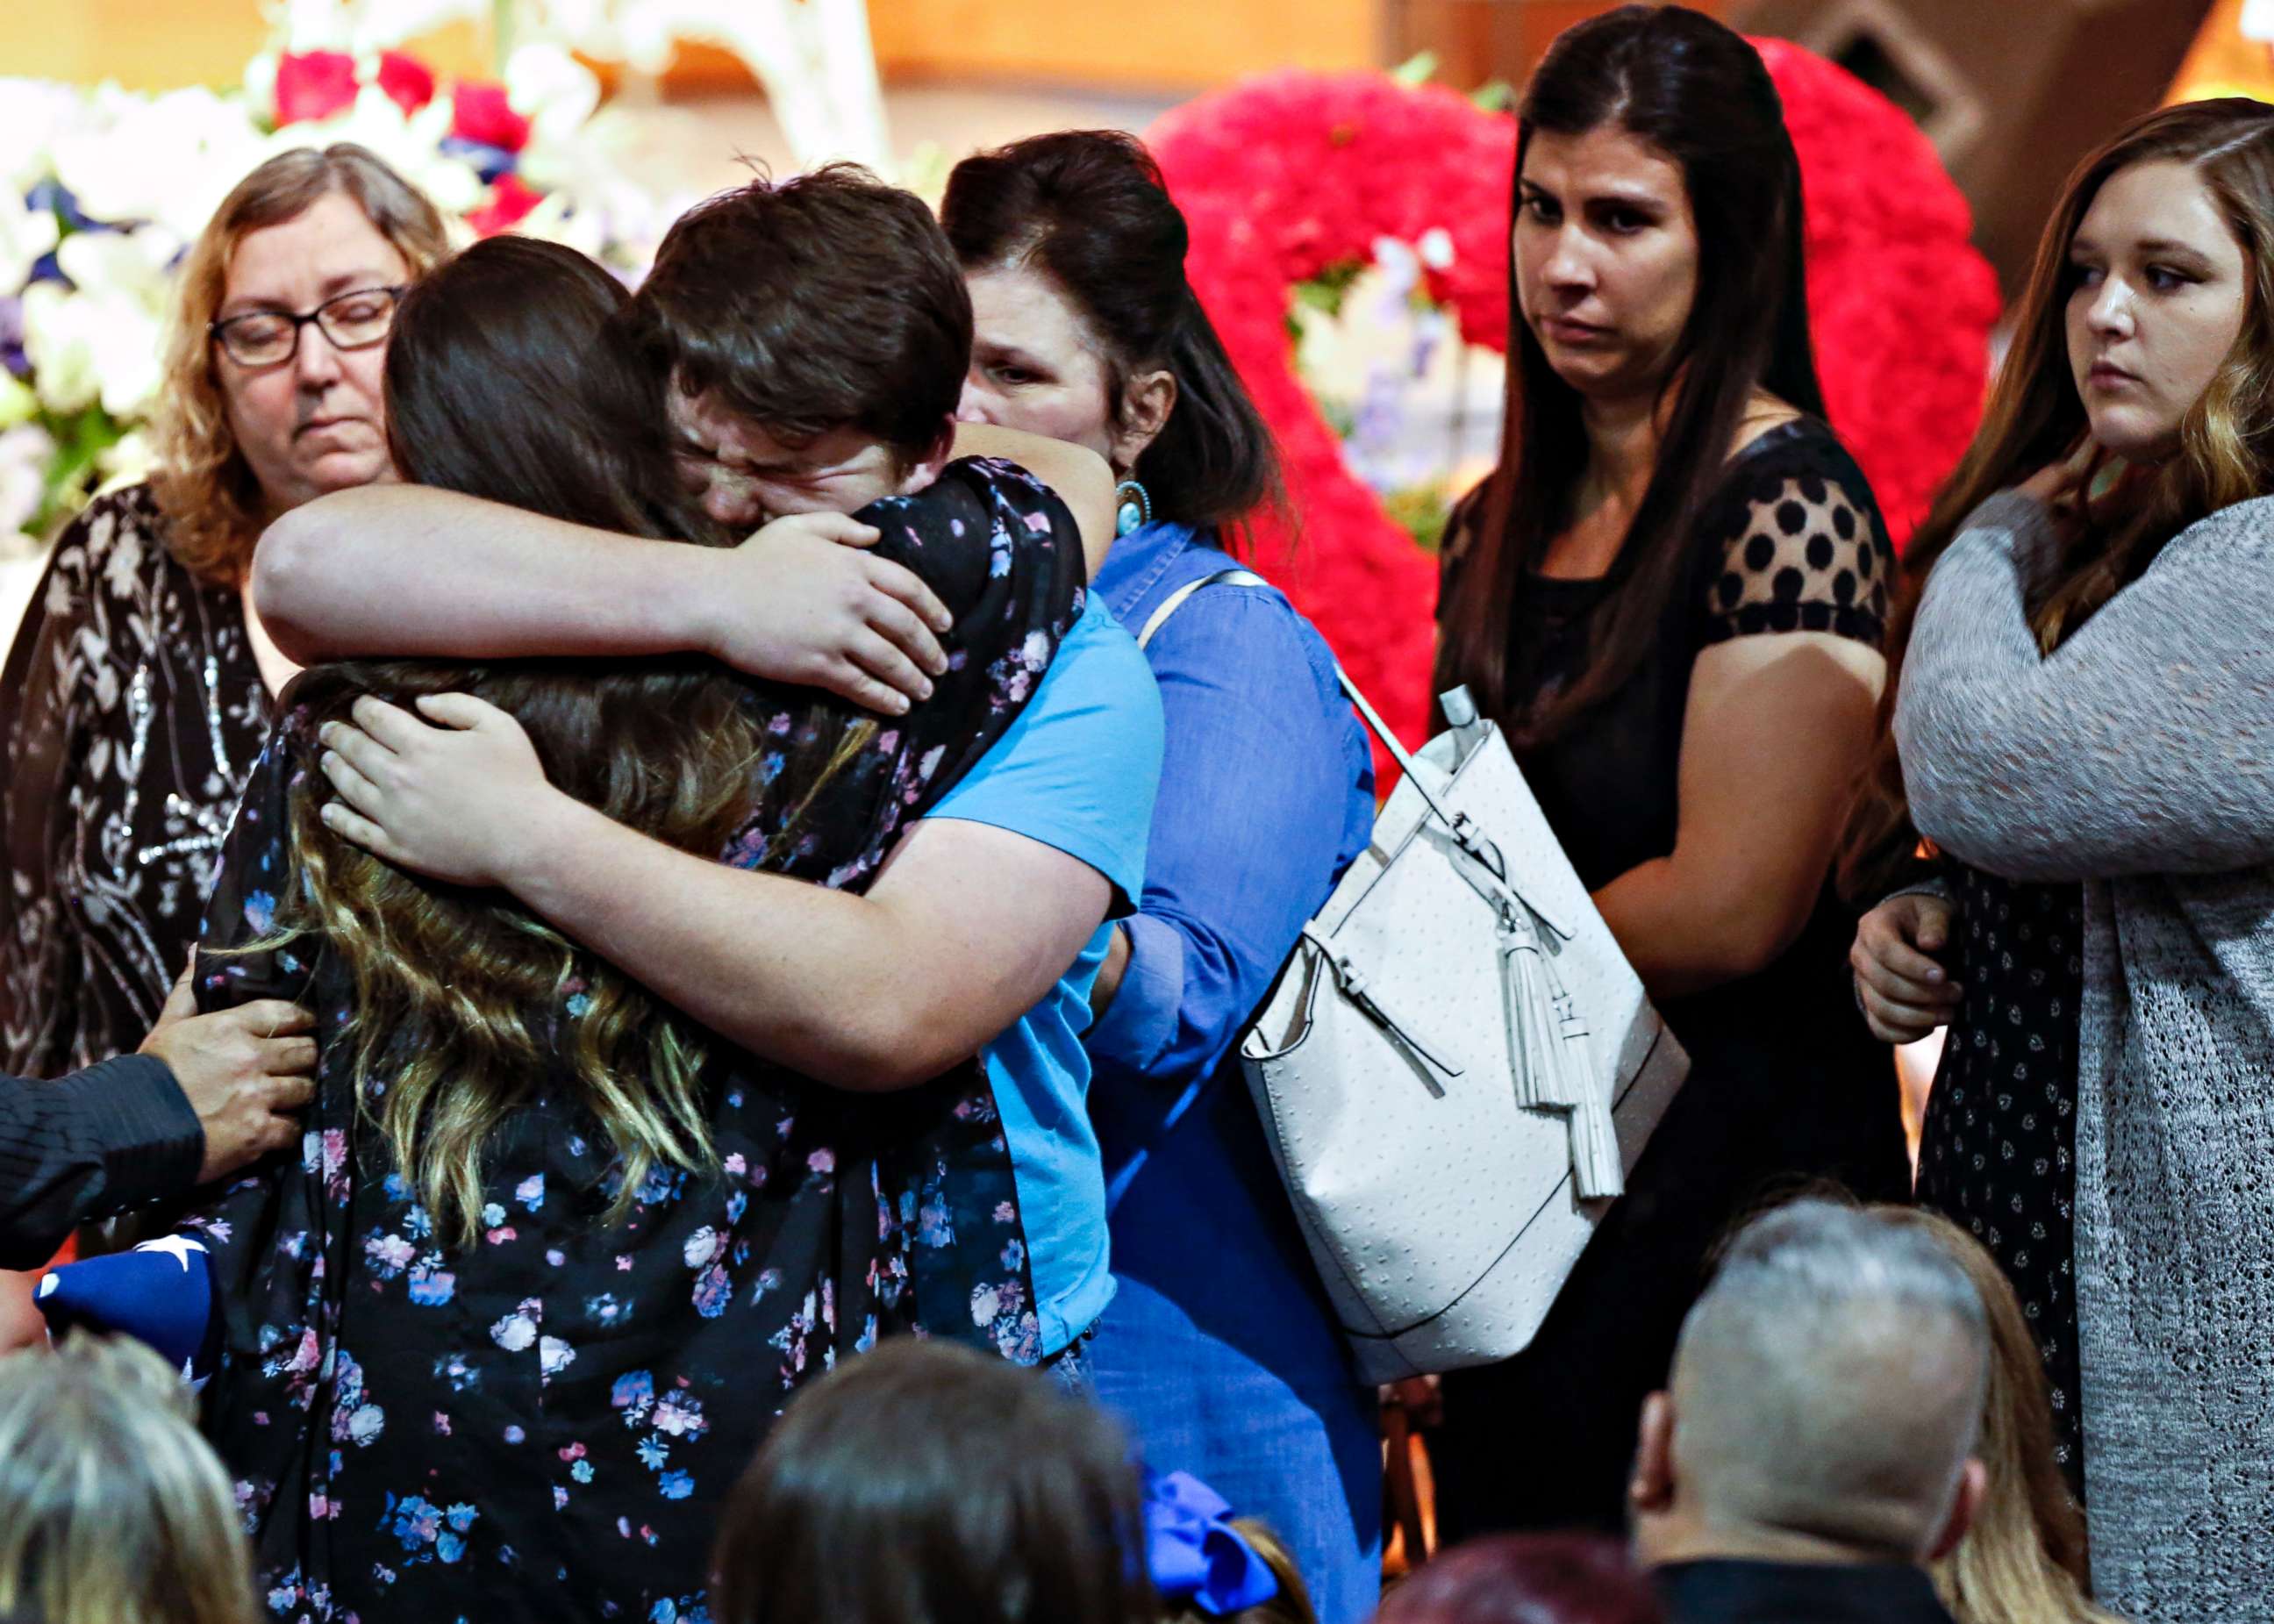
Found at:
[24, 454]
[25, 234]
[60, 340]
[130, 266]
[129, 460]
[551, 88]
[32, 113]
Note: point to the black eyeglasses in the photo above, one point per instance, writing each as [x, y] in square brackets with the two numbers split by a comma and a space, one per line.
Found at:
[270, 337]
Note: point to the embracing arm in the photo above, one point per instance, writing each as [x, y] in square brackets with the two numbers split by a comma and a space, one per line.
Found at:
[2143, 744]
[404, 569]
[1760, 813]
[965, 930]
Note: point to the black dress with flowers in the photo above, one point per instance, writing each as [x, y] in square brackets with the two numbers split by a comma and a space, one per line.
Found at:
[544, 1425]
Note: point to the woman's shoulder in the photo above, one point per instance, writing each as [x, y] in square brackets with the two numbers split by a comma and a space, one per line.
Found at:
[113, 548]
[2242, 533]
[1801, 449]
[1795, 541]
[125, 524]
[968, 527]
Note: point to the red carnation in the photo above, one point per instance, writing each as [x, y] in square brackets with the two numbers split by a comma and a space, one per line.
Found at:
[408, 82]
[314, 85]
[480, 112]
[1292, 173]
[510, 201]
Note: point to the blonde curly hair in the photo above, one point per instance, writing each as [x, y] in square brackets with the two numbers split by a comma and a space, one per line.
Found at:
[205, 486]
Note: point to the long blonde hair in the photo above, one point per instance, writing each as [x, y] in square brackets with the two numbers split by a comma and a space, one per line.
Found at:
[212, 502]
[2035, 418]
[2024, 1561]
[113, 1510]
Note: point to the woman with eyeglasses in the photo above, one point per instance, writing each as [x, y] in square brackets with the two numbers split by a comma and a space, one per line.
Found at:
[138, 690]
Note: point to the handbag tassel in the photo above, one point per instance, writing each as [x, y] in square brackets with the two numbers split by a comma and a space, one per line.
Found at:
[1555, 1062]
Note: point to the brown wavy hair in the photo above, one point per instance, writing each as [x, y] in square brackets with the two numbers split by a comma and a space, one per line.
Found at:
[885, 1496]
[2035, 418]
[2024, 1561]
[504, 380]
[1089, 209]
[212, 503]
[1697, 92]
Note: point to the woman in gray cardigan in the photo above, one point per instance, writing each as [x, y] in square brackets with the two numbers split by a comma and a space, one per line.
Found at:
[2087, 697]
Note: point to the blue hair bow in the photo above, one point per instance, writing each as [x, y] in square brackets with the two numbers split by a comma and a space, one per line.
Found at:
[1193, 1552]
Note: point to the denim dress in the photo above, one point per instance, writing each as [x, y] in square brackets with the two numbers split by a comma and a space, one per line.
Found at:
[1219, 1350]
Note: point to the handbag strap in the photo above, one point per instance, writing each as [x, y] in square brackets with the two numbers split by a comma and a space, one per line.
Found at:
[1237, 576]
[1487, 870]
[1174, 600]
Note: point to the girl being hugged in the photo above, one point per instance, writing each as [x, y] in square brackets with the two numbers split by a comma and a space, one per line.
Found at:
[2086, 713]
[554, 1255]
[1671, 595]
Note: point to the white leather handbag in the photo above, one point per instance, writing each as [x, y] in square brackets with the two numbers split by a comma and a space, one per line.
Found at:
[1457, 1067]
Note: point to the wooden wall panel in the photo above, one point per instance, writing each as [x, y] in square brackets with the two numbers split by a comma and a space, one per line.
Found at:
[1173, 45]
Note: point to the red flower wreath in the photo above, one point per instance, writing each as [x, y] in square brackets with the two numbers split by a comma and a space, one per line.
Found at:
[1291, 173]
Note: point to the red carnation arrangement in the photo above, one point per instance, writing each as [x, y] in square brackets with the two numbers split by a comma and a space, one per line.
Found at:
[484, 126]
[479, 112]
[1289, 176]
[312, 85]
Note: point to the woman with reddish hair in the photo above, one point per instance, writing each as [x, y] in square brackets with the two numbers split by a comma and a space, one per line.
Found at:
[1526, 1579]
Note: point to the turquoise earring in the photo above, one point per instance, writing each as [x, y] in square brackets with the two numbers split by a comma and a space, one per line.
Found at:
[1133, 509]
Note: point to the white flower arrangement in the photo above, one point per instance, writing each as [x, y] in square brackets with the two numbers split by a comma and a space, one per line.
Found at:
[100, 192]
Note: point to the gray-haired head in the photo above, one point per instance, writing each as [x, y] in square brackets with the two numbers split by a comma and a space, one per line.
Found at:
[1829, 1382]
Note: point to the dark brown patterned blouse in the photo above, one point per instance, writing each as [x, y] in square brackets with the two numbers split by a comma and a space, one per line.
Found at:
[132, 711]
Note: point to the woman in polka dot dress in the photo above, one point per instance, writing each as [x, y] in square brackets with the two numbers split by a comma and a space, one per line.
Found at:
[1671, 595]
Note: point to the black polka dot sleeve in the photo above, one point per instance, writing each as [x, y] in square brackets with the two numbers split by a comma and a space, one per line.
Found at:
[1803, 547]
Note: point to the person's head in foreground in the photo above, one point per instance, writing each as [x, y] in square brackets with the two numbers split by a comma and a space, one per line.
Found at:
[112, 1508]
[923, 1484]
[809, 338]
[1526, 1579]
[1826, 1400]
[2024, 1556]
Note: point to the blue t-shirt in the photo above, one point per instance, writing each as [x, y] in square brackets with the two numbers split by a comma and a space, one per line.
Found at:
[1077, 771]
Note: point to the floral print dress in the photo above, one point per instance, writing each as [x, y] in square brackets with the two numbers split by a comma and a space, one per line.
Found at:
[543, 1426]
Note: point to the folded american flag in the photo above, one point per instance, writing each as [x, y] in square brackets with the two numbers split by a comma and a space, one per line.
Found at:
[162, 1292]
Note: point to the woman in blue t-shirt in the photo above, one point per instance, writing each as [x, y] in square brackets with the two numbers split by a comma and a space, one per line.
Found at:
[1218, 1347]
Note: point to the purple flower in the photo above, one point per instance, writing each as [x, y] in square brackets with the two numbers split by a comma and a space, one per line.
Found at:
[712, 1287]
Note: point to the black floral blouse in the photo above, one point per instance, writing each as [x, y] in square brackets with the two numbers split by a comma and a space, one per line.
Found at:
[545, 1425]
[132, 709]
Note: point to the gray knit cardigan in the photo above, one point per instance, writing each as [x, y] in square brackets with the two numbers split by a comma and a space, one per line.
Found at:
[2139, 758]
